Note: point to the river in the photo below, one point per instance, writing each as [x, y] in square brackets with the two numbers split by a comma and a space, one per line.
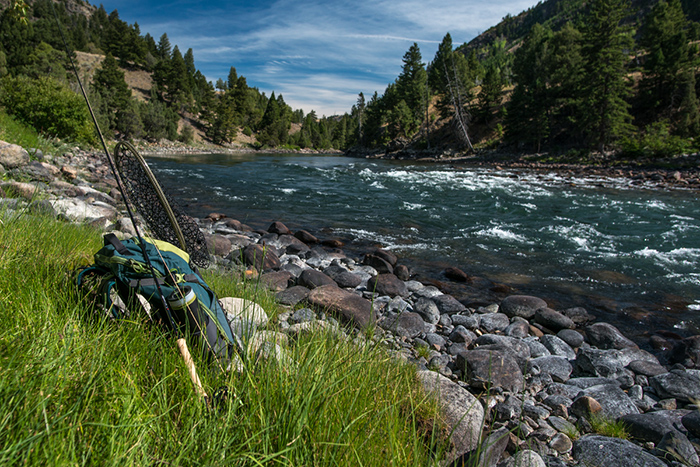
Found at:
[629, 254]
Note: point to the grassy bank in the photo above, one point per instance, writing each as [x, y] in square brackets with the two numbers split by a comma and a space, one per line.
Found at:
[80, 390]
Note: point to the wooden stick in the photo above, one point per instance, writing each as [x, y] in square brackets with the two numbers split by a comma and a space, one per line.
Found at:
[185, 352]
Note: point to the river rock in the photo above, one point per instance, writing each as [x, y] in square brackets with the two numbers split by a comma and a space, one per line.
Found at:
[462, 413]
[490, 450]
[427, 309]
[449, 305]
[387, 284]
[607, 336]
[645, 368]
[608, 363]
[78, 210]
[573, 338]
[518, 328]
[456, 274]
[12, 155]
[262, 258]
[558, 368]
[350, 307]
[524, 458]
[381, 265]
[36, 171]
[279, 228]
[652, 426]
[343, 277]
[614, 401]
[523, 306]
[490, 368]
[293, 295]
[311, 278]
[597, 450]
[276, 281]
[687, 352]
[556, 346]
[405, 324]
[218, 245]
[495, 322]
[578, 315]
[518, 349]
[691, 422]
[675, 447]
[677, 384]
[306, 237]
[402, 272]
[552, 319]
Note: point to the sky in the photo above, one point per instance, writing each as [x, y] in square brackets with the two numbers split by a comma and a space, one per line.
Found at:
[319, 54]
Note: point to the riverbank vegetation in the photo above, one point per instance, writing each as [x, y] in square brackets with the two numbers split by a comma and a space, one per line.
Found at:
[565, 77]
[77, 388]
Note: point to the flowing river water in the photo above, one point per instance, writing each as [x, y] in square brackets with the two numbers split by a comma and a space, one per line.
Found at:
[628, 253]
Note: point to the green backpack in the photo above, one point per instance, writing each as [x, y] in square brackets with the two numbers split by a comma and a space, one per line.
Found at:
[123, 283]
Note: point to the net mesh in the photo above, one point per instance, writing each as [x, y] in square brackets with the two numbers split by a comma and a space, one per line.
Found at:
[164, 218]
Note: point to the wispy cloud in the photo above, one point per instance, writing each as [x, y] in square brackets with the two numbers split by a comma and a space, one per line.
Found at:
[319, 54]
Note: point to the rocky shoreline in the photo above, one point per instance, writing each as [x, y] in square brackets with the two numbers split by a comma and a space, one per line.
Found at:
[519, 383]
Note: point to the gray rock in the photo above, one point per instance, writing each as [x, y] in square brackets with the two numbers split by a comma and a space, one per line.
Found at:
[652, 426]
[523, 306]
[427, 309]
[515, 347]
[552, 319]
[596, 450]
[350, 307]
[524, 458]
[491, 450]
[578, 315]
[557, 346]
[462, 335]
[405, 324]
[261, 257]
[435, 340]
[519, 328]
[608, 363]
[607, 336]
[469, 322]
[571, 337]
[462, 413]
[561, 443]
[485, 369]
[493, 322]
[612, 399]
[562, 425]
[447, 304]
[509, 409]
[675, 446]
[691, 422]
[586, 382]
[537, 349]
[556, 400]
[677, 384]
[645, 368]
[293, 295]
[557, 367]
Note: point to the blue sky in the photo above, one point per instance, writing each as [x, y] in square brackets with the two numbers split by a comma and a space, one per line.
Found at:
[318, 54]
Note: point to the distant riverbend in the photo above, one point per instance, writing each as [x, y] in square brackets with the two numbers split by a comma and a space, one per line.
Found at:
[627, 251]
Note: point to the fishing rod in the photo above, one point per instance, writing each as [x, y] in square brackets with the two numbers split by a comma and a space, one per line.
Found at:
[180, 339]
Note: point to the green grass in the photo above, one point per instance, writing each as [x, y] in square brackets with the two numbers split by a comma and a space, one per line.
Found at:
[16, 132]
[607, 427]
[76, 389]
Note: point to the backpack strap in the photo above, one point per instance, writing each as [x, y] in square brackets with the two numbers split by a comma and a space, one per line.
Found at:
[111, 239]
[149, 281]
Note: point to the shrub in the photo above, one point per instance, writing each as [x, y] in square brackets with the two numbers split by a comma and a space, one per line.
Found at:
[48, 106]
[187, 134]
[655, 141]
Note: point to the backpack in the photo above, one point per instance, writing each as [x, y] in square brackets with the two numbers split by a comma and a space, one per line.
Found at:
[122, 283]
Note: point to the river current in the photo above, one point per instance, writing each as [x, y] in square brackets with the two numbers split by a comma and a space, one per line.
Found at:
[628, 253]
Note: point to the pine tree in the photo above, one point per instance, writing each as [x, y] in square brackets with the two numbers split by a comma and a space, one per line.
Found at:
[110, 84]
[604, 111]
[410, 87]
[164, 48]
[530, 109]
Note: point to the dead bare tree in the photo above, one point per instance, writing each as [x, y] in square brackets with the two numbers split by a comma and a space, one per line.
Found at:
[461, 116]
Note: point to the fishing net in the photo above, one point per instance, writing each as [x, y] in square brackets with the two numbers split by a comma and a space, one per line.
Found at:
[164, 218]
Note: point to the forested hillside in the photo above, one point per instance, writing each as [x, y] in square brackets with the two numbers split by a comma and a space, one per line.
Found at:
[565, 76]
[177, 102]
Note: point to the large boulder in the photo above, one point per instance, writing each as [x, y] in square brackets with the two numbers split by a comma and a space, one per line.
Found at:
[677, 384]
[312, 278]
[596, 450]
[406, 324]
[12, 155]
[349, 306]
[462, 412]
[261, 257]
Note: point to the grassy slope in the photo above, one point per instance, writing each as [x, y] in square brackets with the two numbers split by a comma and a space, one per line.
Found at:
[78, 390]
